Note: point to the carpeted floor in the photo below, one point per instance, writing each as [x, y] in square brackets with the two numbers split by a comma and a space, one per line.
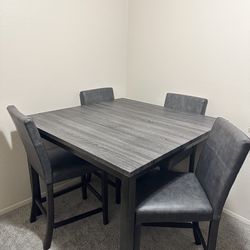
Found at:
[17, 233]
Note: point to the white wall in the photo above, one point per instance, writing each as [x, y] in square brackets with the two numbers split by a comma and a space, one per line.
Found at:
[49, 51]
[199, 48]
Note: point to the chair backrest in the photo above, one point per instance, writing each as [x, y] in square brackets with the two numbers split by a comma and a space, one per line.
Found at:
[220, 161]
[93, 96]
[185, 103]
[36, 153]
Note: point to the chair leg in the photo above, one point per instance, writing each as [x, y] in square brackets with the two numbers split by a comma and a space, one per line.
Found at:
[196, 235]
[118, 191]
[50, 217]
[88, 177]
[212, 235]
[36, 194]
[84, 187]
[105, 198]
[137, 238]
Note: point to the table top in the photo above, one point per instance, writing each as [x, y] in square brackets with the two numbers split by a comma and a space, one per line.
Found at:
[123, 136]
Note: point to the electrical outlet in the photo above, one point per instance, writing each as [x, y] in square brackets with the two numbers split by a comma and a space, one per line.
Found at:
[249, 130]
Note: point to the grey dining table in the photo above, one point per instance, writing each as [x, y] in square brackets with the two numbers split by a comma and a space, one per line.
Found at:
[125, 138]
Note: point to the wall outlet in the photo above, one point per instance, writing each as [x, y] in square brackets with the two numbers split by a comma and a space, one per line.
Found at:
[249, 130]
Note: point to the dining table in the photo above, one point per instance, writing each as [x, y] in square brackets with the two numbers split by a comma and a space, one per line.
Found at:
[125, 138]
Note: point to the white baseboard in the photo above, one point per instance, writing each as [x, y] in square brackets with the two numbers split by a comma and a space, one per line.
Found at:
[27, 201]
[15, 206]
[236, 216]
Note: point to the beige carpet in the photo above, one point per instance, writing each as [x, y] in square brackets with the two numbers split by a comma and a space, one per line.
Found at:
[17, 233]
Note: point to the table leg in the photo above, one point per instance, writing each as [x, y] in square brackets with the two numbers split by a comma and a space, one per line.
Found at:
[192, 160]
[128, 196]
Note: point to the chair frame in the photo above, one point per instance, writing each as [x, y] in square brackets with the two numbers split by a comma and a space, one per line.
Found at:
[210, 244]
[37, 207]
[39, 165]
[244, 146]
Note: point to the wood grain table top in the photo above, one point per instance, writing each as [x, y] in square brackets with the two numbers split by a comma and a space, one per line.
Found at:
[124, 136]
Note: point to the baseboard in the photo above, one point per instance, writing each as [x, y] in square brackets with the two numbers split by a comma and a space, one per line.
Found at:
[15, 206]
[236, 216]
[27, 201]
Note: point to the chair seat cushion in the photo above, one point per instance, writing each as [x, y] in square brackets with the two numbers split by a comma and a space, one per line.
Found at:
[66, 165]
[171, 197]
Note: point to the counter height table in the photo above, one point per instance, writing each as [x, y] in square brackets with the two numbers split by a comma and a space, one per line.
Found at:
[125, 138]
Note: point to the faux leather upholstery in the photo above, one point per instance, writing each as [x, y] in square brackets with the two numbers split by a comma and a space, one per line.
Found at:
[65, 165]
[173, 197]
[185, 103]
[34, 147]
[52, 165]
[93, 96]
[200, 196]
[220, 161]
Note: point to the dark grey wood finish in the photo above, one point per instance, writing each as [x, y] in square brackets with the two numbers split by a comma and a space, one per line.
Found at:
[124, 138]
[128, 202]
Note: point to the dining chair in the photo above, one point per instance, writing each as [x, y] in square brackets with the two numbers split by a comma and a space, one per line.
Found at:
[186, 104]
[94, 96]
[185, 199]
[52, 166]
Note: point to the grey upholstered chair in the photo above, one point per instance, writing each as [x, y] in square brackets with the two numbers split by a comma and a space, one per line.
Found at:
[184, 199]
[52, 166]
[94, 96]
[187, 104]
